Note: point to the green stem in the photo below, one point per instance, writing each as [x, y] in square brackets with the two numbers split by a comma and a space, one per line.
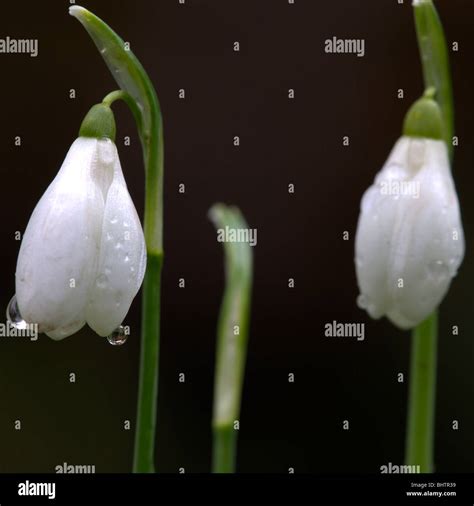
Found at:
[148, 380]
[232, 337]
[138, 92]
[421, 402]
[224, 448]
[111, 97]
[143, 461]
[421, 397]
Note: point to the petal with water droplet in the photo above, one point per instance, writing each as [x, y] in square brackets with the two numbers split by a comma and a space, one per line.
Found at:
[58, 253]
[122, 259]
[412, 251]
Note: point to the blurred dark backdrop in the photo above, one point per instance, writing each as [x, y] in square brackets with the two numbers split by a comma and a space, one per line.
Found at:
[283, 141]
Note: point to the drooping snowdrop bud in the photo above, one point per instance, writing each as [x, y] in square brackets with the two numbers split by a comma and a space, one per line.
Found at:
[82, 258]
[409, 242]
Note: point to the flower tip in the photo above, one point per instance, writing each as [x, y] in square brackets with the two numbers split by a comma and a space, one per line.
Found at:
[77, 11]
[215, 212]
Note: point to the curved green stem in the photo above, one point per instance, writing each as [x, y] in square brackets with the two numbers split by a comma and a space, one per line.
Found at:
[139, 93]
[422, 391]
[232, 337]
[111, 97]
[115, 95]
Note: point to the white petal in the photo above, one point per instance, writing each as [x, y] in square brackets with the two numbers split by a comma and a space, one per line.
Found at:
[403, 238]
[67, 330]
[122, 259]
[58, 254]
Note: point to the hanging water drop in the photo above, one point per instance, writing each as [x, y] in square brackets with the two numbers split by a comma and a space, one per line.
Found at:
[14, 317]
[118, 336]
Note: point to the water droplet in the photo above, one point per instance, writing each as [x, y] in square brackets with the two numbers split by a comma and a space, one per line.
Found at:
[14, 317]
[113, 221]
[438, 271]
[453, 265]
[126, 259]
[102, 281]
[362, 301]
[118, 336]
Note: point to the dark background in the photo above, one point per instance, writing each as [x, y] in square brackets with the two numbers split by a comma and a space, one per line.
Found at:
[283, 141]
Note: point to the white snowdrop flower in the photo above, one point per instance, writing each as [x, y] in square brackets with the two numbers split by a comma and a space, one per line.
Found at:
[409, 242]
[82, 258]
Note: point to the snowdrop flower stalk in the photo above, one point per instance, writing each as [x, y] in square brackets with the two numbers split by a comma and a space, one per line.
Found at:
[409, 240]
[137, 90]
[82, 258]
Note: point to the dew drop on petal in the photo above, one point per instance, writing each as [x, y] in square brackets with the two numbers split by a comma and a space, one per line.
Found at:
[362, 301]
[118, 336]
[102, 281]
[14, 317]
[438, 271]
[453, 266]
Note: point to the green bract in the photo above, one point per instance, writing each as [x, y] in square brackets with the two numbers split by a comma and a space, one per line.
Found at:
[435, 62]
[231, 348]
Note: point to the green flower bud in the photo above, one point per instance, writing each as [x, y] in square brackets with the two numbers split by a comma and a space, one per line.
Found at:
[424, 118]
[98, 123]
